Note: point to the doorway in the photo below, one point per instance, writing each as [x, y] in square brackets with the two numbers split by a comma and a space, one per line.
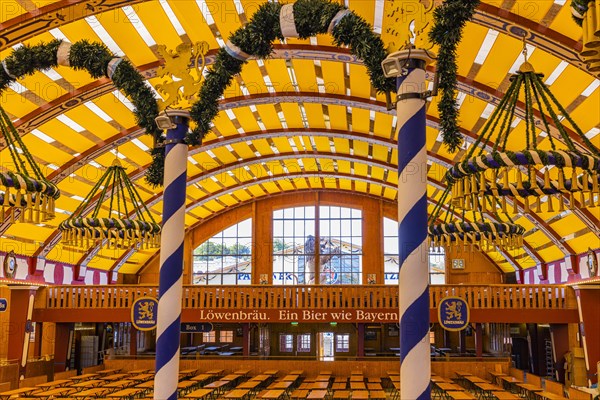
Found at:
[326, 351]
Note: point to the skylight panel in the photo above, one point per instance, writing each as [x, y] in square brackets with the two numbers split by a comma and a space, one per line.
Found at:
[52, 166]
[192, 160]
[519, 60]
[460, 99]
[52, 74]
[140, 144]
[139, 25]
[70, 123]
[57, 33]
[123, 100]
[378, 18]
[560, 2]
[104, 35]
[98, 111]
[489, 109]
[592, 133]
[95, 164]
[17, 87]
[230, 114]
[238, 6]
[205, 12]
[556, 73]
[591, 88]
[118, 154]
[78, 198]
[41, 135]
[172, 17]
[486, 46]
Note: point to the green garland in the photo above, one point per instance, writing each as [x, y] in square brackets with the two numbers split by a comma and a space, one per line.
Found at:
[312, 17]
[450, 18]
[94, 58]
[578, 10]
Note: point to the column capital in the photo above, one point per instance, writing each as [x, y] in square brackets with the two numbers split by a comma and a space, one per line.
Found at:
[169, 119]
[396, 63]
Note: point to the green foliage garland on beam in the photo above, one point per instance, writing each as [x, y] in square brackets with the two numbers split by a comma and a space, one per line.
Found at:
[450, 19]
[311, 17]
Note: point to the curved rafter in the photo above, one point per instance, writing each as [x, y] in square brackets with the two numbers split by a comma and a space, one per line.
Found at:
[553, 235]
[505, 254]
[104, 86]
[63, 12]
[54, 239]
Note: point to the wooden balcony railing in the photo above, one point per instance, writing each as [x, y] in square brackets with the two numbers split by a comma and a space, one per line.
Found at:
[365, 297]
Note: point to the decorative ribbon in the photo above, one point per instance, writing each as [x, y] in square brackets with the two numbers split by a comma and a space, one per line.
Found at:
[236, 52]
[286, 21]
[336, 20]
[63, 53]
[7, 71]
[112, 66]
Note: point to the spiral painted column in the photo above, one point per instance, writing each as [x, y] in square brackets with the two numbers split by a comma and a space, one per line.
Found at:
[171, 257]
[408, 66]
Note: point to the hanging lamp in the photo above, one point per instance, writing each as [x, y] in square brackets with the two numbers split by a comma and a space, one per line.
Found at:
[486, 180]
[480, 233]
[25, 189]
[116, 229]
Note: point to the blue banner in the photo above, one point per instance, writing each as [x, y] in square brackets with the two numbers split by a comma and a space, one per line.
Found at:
[3, 304]
[143, 313]
[453, 313]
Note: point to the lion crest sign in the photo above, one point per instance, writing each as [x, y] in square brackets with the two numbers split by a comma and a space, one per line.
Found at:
[143, 313]
[453, 313]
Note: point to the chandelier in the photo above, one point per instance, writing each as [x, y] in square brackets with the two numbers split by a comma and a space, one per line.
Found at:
[485, 180]
[476, 233]
[116, 229]
[25, 191]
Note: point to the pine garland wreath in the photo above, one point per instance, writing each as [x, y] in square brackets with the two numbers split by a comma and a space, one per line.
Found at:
[311, 17]
[96, 59]
[450, 19]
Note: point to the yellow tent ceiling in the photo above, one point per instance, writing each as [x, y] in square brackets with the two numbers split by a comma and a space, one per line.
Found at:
[304, 119]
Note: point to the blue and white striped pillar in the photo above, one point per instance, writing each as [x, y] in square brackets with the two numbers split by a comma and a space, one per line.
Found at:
[408, 66]
[168, 324]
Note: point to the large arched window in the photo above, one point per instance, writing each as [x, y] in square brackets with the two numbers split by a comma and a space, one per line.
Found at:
[226, 258]
[391, 255]
[296, 243]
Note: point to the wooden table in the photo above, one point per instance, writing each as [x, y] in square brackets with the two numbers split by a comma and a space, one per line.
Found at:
[374, 386]
[109, 371]
[95, 393]
[261, 377]
[318, 385]
[323, 378]
[296, 372]
[128, 393]
[357, 386]
[115, 377]
[250, 385]
[357, 378]
[317, 394]
[84, 377]
[26, 391]
[360, 395]
[505, 396]
[528, 390]
[509, 382]
[377, 394]
[438, 379]
[273, 394]
[217, 372]
[56, 392]
[449, 387]
[122, 384]
[342, 394]
[138, 371]
[549, 396]
[242, 372]
[218, 386]
[201, 378]
[460, 396]
[281, 385]
[237, 394]
[485, 389]
[141, 377]
[88, 384]
[186, 386]
[393, 373]
[271, 372]
[495, 375]
[53, 384]
[290, 377]
[338, 386]
[200, 394]
[186, 373]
